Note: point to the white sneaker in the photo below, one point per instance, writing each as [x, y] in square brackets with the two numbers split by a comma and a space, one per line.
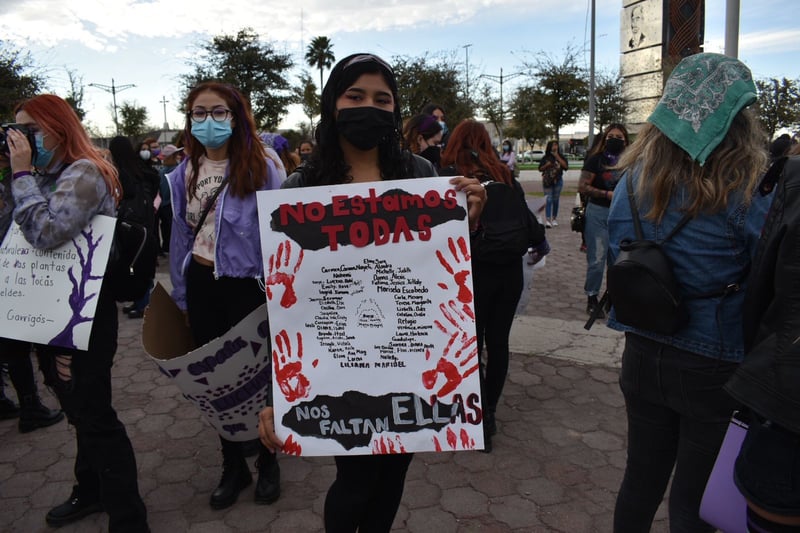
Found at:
[554, 223]
[547, 224]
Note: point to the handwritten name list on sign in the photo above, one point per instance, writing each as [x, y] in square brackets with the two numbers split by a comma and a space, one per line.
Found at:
[50, 296]
[370, 301]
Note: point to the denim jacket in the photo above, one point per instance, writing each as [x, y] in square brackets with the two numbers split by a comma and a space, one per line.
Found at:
[709, 253]
[237, 252]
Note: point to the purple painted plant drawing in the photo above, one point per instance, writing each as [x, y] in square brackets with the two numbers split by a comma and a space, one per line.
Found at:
[78, 298]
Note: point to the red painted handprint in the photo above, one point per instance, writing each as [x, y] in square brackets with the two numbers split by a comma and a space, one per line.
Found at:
[288, 368]
[467, 442]
[383, 445]
[290, 447]
[280, 273]
[460, 356]
[462, 276]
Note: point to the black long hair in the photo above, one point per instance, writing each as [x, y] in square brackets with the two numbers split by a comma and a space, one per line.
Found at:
[326, 165]
[131, 167]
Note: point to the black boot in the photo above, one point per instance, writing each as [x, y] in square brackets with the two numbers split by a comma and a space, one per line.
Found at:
[268, 487]
[8, 409]
[34, 415]
[235, 477]
[76, 507]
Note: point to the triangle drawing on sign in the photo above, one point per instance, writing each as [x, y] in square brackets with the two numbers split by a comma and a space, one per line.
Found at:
[256, 346]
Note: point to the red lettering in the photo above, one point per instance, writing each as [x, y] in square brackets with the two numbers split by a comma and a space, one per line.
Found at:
[339, 206]
[401, 227]
[331, 231]
[423, 225]
[294, 211]
[373, 201]
[450, 201]
[359, 234]
[315, 211]
[382, 231]
[357, 206]
[432, 199]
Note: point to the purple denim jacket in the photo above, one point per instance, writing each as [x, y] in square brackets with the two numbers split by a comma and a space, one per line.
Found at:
[238, 244]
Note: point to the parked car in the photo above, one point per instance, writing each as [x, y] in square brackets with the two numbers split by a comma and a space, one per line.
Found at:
[533, 156]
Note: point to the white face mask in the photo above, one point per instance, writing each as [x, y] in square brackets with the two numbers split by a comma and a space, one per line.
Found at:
[145, 154]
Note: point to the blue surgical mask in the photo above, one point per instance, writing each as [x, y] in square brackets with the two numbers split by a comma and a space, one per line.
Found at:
[43, 155]
[444, 128]
[210, 133]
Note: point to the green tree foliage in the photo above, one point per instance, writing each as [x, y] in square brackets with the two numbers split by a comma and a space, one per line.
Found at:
[250, 65]
[610, 105]
[132, 120]
[528, 107]
[489, 106]
[308, 97]
[426, 79]
[319, 55]
[19, 79]
[564, 82]
[75, 95]
[778, 104]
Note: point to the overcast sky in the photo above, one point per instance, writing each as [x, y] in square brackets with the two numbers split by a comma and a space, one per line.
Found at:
[148, 43]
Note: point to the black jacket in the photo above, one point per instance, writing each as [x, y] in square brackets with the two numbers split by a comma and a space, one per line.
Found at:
[768, 380]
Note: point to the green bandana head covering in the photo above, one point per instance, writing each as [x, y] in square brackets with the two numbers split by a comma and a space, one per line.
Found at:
[701, 97]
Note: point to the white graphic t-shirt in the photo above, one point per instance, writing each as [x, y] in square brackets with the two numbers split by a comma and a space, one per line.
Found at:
[209, 178]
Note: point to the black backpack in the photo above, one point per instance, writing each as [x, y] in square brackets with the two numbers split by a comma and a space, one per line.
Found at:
[507, 226]
[641, 284]
[134, 251]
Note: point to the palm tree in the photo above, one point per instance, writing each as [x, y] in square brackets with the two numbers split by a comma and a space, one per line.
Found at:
[319, 54]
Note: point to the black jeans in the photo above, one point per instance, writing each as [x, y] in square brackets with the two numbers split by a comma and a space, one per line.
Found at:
[366, 493]
[16, 354]
[497, 292]
[105, 465]
[677, 417]
[215, 306]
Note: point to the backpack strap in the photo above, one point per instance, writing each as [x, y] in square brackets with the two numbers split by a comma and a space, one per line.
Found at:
[637, 225]
[207, 208]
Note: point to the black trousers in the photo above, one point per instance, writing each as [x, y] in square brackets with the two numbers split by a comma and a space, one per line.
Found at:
[164, 223]
[214, 307]
[497, 292]
[105, 465]
[366, 493]
[16, 355]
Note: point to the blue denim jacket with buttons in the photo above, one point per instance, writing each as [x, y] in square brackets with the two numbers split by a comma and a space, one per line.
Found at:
[709, 253]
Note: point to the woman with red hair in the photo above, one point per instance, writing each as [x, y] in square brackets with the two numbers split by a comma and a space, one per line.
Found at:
[498, 285]
[58, 188]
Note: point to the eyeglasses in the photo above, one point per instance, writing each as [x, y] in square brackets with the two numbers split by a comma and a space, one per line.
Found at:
[218, 114]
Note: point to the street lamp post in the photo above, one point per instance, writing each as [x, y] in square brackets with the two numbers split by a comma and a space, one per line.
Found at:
[164, 102]
[500, 79]
[113, 90]
[466, 68]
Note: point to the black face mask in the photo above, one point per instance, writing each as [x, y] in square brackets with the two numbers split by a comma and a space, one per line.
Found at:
[615, 146]
[432, 154]
[365, 127]
[304, 157]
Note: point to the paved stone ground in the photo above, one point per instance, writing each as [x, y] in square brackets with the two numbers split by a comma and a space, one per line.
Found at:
[556, 465]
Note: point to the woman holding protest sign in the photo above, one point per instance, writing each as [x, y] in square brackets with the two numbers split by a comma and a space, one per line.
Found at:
[59, 185]
[358, 141]
[215, 250]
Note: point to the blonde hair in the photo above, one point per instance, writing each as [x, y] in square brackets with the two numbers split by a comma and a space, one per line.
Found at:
[735, 166]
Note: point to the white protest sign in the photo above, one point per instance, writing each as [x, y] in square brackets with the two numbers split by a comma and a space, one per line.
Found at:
[228, 379]
[369, 289]
[50, 296]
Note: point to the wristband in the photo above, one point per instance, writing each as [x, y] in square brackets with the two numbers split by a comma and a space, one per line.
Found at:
[21, 173]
